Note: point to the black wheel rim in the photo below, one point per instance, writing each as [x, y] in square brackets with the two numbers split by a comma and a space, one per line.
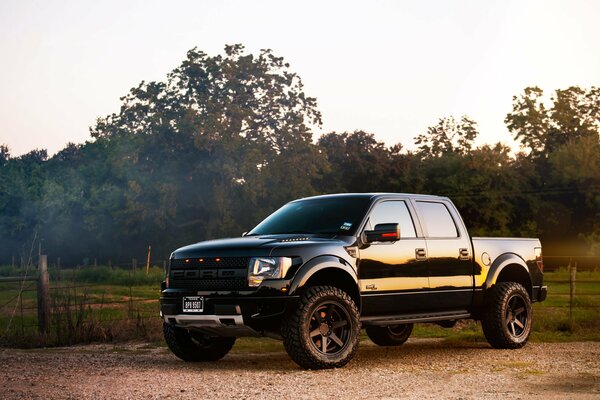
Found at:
[517, 317]
[329, 328]
[397, 330]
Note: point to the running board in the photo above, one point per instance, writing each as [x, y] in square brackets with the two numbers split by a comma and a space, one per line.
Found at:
[412, 318]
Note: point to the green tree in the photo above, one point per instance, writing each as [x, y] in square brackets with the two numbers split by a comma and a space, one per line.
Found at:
[4, 155]
[576, 171]
[529, 120]
[21, 183]
[574, 113]
[477, 183]
[448, 136]
[359, 163]
[210, 150]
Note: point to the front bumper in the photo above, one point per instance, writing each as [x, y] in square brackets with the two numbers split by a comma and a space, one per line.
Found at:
[244, 313]
[221, 325]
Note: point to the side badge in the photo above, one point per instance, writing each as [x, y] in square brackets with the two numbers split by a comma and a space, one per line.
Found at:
[371, 287]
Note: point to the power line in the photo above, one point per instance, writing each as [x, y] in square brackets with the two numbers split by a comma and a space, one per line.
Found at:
[523, 193]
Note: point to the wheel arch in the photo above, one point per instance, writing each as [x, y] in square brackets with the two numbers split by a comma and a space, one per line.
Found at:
[509, 267]
[329, 271]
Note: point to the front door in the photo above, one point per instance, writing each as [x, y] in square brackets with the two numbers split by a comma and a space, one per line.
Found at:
[393, 276]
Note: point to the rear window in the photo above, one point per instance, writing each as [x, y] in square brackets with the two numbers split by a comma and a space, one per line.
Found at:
[437, 219]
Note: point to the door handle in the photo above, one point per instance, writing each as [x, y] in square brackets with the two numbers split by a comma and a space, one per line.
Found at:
[463, 254]
[421, 254]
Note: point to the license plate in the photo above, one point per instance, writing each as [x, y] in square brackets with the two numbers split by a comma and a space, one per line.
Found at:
[193, 304]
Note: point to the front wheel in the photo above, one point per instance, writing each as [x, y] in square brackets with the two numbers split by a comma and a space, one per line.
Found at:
[506, 320]
[324, 331]
[394, 335]
[196, 346]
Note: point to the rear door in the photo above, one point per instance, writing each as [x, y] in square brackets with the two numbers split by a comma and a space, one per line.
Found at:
[393, 276]
[450, 262]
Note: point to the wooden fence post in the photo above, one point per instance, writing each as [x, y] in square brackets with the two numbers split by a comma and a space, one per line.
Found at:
[22, 325]
[148, 260]
[572, 278]
[58, 268]
[43, 295]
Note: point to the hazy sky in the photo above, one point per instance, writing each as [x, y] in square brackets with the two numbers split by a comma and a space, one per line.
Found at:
[388, 67]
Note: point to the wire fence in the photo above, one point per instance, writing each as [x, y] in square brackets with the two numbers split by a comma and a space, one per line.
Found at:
[120, 301]
[574, 289]
[85, 303]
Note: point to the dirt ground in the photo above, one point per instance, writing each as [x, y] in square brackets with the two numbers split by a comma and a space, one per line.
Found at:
[422, 368]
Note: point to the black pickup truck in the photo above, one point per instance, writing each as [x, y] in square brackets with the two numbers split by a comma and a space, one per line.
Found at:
[320, 268]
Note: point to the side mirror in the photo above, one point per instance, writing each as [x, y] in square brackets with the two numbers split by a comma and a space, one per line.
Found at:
[383, 233]
[244, 234]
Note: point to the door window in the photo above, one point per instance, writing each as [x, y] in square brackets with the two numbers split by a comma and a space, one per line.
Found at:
[437, 220]
[390, 212]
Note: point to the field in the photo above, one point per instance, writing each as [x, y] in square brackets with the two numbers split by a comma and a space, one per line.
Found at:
[87, 304]
[104, 304]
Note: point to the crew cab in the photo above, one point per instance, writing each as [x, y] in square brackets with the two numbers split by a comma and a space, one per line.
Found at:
[319, 269]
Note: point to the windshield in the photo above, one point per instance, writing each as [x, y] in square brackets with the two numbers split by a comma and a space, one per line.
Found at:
[334, 215]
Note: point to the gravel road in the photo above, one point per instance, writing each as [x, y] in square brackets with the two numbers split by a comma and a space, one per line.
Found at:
[422, 368]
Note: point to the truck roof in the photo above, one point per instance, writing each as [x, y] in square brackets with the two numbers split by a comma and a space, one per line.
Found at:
[375, 196]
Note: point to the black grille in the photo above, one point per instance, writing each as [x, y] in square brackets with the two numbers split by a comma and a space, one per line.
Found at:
[211, 273]
[210, 284]
[208, 273]
[211, 262]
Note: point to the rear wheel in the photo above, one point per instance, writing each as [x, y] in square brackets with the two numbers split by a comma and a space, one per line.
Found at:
[196, 346]
[506, 320]
[324, 331]
[394, 335]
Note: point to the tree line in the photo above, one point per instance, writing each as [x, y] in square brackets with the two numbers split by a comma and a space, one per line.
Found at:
[227, 139]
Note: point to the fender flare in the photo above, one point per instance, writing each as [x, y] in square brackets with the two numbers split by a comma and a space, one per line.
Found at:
[317, 264]
[499, 264]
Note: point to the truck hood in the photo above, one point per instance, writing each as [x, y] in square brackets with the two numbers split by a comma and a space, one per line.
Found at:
[261, 246]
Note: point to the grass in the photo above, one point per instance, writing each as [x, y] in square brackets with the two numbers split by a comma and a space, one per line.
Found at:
[101, 274]
[552, 321]
[107, 304]
[120, 277]
[87, 304]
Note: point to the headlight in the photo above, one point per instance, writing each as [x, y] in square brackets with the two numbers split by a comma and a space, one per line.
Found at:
[262, 268]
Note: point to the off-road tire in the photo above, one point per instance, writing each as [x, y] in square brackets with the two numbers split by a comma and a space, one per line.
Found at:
[318, 322]
[394, 335]
[196, 346]
[507, 307]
